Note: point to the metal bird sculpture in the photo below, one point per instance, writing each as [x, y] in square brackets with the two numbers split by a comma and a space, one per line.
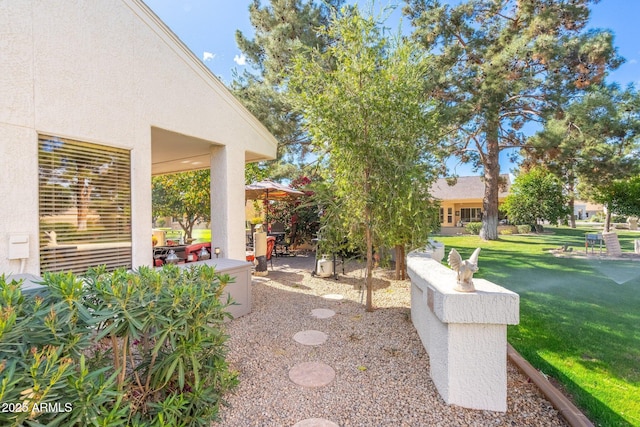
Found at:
[465, 269]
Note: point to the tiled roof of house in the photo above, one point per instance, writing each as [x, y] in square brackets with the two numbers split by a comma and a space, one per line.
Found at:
[466, 188]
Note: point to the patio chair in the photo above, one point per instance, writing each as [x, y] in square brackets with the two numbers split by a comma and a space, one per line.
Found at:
[271, 245]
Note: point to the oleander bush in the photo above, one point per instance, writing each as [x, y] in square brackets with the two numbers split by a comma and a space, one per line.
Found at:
[122, 348]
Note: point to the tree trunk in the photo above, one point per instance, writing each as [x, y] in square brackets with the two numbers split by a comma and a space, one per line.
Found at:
[572, 202]
[491, 163]
[607, 218]
[369, 241]
[401, 268]
[403, 259]
[187, 227]
[572, 216]
[397, 275]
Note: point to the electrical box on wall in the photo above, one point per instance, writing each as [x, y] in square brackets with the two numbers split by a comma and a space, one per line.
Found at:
[18, 246]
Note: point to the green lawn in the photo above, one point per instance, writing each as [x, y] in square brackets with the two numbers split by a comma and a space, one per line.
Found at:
[202, 235]
[579, 318]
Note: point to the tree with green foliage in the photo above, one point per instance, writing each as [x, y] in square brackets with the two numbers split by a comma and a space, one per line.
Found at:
[370, 128]
[503, 64]
[185, 196]
[536, 196]
[278, 28]
[557, 148]
[592, 143]
[621, 197]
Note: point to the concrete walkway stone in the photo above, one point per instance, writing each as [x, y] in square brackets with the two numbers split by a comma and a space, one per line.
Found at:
[322, 313]
[336, 297]
[312, 374]
[315, 422]
[310, 337]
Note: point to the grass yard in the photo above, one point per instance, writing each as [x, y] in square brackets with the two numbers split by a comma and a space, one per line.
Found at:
[202, 234]
[579, 318]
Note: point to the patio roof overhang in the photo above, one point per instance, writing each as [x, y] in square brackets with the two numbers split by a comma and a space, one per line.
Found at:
[173, 152]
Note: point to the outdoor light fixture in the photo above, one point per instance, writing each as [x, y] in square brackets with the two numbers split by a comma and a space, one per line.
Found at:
[216, 251]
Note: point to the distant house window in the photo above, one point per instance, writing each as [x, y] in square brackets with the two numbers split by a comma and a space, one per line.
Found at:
[471, 214]
[441, 215]
[85, 205]
[449, 215]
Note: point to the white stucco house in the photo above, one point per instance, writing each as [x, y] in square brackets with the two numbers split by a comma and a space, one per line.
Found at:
[95, 98]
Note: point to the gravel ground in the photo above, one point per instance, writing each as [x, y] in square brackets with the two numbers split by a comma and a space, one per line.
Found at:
[382, 370]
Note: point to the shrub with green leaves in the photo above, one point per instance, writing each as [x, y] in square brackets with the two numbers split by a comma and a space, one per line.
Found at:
[43, 372]
[507, 230]
[524, 229]
[473, 227]
[121, 348]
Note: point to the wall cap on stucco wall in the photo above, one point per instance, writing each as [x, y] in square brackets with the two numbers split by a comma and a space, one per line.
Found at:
[490, 303]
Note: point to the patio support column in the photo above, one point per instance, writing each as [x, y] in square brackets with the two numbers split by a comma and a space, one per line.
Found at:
[227, 202]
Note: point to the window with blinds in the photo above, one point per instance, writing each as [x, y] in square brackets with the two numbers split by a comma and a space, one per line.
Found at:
[85, 205]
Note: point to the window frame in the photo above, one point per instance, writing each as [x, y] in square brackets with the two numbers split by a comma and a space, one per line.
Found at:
[84, 194]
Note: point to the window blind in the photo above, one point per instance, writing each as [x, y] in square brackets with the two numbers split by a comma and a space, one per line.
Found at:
[85, 205]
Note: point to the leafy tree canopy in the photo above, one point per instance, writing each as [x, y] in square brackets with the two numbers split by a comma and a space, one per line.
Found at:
[593, 141]
[370, 127]
[503, 64]
[621, 196]
[536, 196]
[279, 27]
[185, 196]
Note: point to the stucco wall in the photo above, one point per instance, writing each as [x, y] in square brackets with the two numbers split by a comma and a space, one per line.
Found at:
[105, 72]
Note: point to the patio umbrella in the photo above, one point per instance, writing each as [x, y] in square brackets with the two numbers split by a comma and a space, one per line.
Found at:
[269, 190]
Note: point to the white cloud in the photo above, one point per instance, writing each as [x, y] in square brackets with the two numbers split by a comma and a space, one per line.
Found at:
[208, 56]
[240, 59]
[633, 61]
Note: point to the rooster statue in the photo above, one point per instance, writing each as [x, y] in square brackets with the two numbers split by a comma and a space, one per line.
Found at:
[465, 269]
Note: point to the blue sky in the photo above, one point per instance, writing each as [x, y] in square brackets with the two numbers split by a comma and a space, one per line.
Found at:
[208, 28]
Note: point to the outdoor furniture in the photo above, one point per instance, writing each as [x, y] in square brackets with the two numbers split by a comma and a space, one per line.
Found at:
[592, 240]
[271, 245]
[281, 245]
[268, 190]
[192, 251]
[160, 253]
[172, 258]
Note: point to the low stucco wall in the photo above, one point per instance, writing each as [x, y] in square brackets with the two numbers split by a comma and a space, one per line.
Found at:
[240, 289]
[465, 334]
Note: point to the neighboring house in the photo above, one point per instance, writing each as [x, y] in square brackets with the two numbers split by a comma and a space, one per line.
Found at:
[95, 98]
[461, 203]
[586, 210]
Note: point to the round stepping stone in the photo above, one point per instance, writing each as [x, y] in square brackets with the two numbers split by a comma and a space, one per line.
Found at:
[315, 422]
[312, 374]
[336, 297]
[310, 337]
[322, 313]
